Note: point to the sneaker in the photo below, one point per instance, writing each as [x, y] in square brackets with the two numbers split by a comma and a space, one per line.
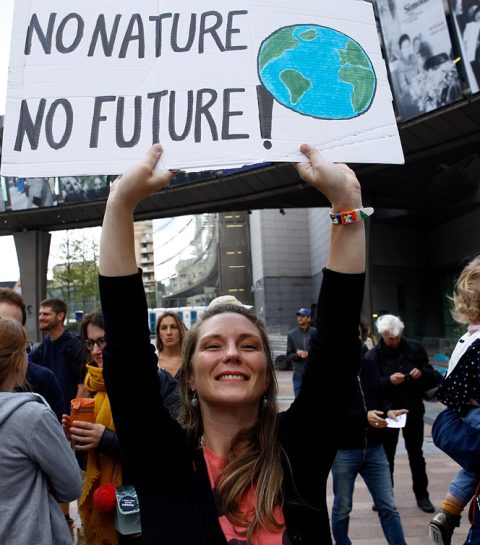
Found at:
[441, 527]
[425, 505]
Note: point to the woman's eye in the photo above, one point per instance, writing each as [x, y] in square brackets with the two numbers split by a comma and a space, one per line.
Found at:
[212, 346]
[250, 346]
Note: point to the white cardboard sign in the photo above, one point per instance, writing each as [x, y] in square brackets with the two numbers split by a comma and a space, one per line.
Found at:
[220, 83]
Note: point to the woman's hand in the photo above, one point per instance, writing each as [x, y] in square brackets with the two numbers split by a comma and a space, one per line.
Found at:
[86, 435]
[336, 181]
[340, 186]
[117, 247]
[141, 180]
[66, 424]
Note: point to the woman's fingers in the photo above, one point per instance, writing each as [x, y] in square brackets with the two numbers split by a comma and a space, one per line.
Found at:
[336, 181]
[142, 179]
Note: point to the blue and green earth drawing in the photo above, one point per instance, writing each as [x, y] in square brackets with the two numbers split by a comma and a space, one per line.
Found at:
[317, 71]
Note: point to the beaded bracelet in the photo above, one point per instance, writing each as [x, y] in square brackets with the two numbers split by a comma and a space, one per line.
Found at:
[350, 216]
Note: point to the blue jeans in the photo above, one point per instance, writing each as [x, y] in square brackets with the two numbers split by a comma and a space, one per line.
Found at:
[297, 381]
[372, 465]
[464, 484]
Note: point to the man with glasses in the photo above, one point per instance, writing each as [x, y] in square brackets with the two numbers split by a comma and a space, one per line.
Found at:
[61, 351]
[39, 379]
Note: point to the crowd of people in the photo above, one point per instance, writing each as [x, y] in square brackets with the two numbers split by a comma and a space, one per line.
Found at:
[228, 467]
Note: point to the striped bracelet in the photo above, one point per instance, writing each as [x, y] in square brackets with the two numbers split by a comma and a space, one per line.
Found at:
[350, 216]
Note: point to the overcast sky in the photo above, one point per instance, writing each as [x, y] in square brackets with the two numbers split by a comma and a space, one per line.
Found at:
[8, 256]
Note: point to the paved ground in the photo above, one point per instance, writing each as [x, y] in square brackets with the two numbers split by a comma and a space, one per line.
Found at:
[364, 526]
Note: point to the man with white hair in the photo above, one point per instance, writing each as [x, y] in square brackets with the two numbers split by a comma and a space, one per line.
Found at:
[404, 373]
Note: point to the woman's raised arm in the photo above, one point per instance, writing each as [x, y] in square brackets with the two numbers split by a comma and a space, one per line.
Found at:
[336, 181]
[340, 186]
[117, 251]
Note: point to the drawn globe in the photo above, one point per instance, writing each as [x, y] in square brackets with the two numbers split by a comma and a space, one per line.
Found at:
[317, 71]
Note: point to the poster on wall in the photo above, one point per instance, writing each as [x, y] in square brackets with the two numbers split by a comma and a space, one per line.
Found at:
[3, 194]
[423, 71]
[466, 17]
[29, 193]
[84, 188]
[231, 83]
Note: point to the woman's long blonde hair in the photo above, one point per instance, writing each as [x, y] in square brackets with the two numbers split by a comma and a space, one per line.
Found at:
[466, 298]
[254, 457]
[13, 340]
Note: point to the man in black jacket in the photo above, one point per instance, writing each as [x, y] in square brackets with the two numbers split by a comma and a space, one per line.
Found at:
[405, 374]
[360, 451]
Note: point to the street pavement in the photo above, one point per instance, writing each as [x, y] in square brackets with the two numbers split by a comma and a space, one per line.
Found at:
[365, 527]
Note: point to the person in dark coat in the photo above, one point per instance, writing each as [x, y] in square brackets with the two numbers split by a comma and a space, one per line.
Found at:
[361, 452]
[404, 373]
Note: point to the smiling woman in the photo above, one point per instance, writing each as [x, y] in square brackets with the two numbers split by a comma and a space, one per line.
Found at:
[229, 367]
[232, 467]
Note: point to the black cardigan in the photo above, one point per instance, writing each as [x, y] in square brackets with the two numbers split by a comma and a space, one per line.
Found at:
[176, 499]
[357, 433]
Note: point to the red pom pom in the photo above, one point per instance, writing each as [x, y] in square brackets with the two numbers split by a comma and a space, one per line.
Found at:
[105, 497]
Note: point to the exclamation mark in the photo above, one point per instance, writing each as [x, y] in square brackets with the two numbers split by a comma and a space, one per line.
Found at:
[265, 107]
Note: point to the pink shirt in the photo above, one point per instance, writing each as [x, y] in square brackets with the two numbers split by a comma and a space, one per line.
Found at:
[215, 464]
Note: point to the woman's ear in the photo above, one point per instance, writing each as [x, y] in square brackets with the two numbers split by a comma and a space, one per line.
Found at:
[191, 383]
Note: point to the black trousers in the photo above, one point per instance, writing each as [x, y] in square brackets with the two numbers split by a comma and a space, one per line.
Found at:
[413, 436]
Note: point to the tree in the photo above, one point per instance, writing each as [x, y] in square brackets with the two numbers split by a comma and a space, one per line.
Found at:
[75, 278]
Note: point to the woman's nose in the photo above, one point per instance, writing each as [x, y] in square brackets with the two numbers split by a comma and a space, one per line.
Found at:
[231, 352]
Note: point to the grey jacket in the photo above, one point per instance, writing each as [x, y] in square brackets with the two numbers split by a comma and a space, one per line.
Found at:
[299, 339]
[38, 470]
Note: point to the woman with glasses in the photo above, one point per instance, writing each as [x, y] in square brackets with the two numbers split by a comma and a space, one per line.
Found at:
[99, 440]
[233, 471]
[37, 466]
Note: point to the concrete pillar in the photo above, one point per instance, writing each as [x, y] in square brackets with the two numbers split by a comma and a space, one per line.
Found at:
[32, 251]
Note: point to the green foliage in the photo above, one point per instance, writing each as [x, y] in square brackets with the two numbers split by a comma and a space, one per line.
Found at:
[75, 279]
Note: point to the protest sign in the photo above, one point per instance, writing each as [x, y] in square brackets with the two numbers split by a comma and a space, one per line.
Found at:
[221, 84]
